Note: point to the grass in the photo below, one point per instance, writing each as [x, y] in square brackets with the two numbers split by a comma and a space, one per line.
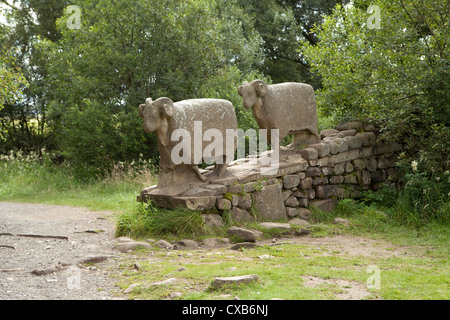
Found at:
[33, 180]
[414, 262]
[285, 275]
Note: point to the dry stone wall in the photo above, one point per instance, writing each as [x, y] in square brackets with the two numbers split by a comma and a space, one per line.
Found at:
[347, 159]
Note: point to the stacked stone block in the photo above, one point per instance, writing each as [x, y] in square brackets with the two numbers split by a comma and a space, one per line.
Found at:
[347, 160]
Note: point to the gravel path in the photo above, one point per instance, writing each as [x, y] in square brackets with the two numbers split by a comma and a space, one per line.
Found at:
[49, 267]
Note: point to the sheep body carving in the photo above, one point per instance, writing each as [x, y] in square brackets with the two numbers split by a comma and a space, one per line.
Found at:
[165, 117]
[289, 107]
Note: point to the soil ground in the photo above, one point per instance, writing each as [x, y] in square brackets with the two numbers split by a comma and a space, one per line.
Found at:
[49, 268]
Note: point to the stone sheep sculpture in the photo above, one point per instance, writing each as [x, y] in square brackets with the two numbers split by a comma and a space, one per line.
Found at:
[289, 107]
[189, 119]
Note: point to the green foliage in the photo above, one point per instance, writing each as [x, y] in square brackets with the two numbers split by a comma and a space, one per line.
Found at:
[37, 179]
[282, 25]
[125, 52]
[397, 74]
[11, 82]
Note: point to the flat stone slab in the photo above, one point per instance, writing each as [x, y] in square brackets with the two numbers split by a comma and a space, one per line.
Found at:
[237, 280]
[247, 245]
[269, 202]
[131, 245]
[245, 234]
[276, 225]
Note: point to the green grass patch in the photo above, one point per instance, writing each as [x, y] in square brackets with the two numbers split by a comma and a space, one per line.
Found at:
[37, 180]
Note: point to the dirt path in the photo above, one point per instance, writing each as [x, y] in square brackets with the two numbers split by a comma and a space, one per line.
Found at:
[48, 268]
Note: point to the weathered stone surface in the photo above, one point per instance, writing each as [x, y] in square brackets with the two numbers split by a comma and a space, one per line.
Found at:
[240, 245]
[378, 176]
[351, 179]
[328, 132]
[215, 242]
[234, 200]
[308, 194]
[303, 202]
[322, 149]
[298, 222]
[309, 153]
[286, 194]
[186, 244]
[341, 221]
[124, 239]
[163, 244]
[213, 220]
[240, 215]
[326, 205]
[291, 212]
[295, 106]
[348, 133]
[306, 183]
[245, 235]
[214, 114]
[164, 282]
[344, 156]
[304, 213]
[302, 232]
[359, 164]
[363, 177]
[245, 202]
[367, 152]
[343, 146]
[131, 287]
[193, 203]
[372, 164]
[276, 225]
[327, 171]
[334, 148]
[349, 167]
[368, 139]
[353, 142]
[269, 203]
[94, 259]
[358, 125]
[338, 169]
[291, 181]
[325, 192]
[200, 191]
[221, 282]
[131, 246]
[223, 204]
[291, 202]
[336, 179]
[313, 172]
[219, 188]
[382, 163]
[319, 180]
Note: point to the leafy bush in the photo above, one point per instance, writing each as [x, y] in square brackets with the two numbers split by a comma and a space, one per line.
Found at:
[397, 74]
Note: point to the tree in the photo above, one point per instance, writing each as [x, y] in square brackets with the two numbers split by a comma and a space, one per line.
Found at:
[26, 118]
[11, 83]
[283, 24]
[397, 74]
[125, 52]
